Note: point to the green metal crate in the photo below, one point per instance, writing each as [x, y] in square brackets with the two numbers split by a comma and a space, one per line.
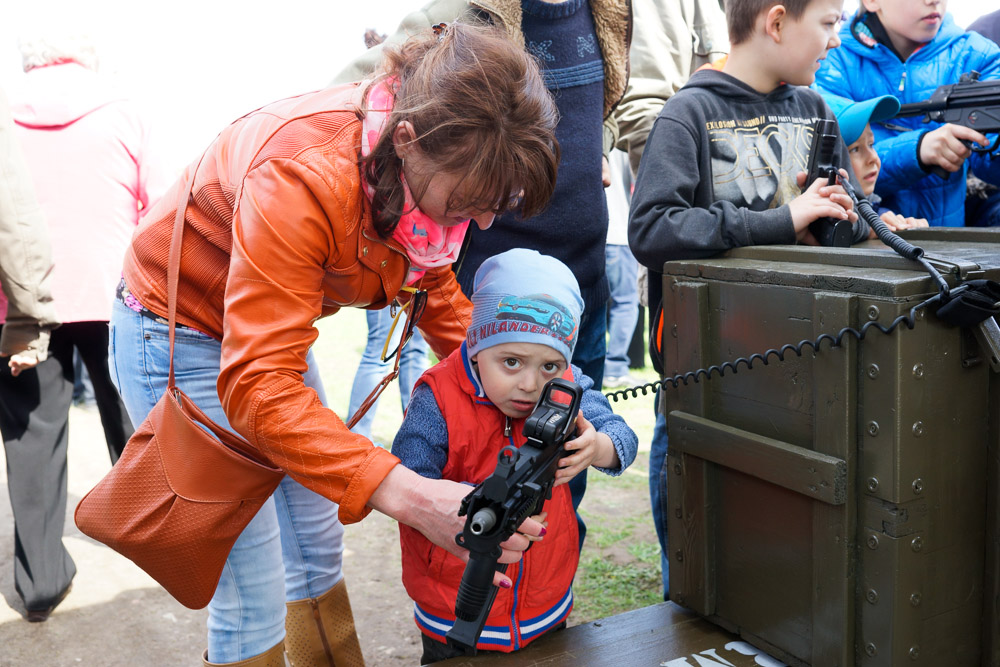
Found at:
[836, 508]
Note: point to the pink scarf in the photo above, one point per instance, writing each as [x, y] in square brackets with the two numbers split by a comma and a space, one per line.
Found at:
[427, 243]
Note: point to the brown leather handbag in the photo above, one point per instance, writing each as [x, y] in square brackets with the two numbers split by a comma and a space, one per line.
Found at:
[184, 488]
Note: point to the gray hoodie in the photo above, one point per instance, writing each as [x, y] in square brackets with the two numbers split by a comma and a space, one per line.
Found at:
[719, 169]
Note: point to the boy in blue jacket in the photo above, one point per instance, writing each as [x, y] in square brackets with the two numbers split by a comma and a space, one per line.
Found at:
[908, 48]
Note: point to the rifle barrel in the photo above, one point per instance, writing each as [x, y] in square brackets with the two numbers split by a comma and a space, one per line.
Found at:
[920, 108]
[956, 96]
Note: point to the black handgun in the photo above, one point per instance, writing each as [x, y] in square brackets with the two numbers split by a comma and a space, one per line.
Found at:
[828, 231]
[517, 489]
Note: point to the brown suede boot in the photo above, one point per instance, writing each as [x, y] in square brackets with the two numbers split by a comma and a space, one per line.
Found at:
[319, 632]
[273, 657]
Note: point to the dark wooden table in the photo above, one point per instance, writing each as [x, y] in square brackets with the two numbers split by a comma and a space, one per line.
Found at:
[661, 635]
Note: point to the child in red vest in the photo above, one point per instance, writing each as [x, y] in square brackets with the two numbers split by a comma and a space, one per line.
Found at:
[464, 410]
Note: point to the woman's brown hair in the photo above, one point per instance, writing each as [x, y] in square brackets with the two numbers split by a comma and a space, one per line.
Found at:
[480, 108]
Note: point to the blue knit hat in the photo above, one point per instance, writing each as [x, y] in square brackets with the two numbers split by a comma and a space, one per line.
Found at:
[853, 116]
[522, 296]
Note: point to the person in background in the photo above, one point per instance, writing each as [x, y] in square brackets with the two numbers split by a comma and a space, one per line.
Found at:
[907, 49]
[473, 404]
[35, 453]
[88, 152]
[95, 170]
[720, 166]
[988, 25]
[622, 270]
[854, 120]
[982, 203]
[582, 48]
[353, 196]
[670, 40]
[372, 367]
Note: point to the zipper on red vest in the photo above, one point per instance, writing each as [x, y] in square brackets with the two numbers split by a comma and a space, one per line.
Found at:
[515, 612]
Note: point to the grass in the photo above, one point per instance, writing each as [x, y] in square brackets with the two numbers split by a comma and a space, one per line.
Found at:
[620, 564]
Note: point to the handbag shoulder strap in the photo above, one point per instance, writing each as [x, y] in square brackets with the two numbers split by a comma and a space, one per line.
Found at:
[174, 263]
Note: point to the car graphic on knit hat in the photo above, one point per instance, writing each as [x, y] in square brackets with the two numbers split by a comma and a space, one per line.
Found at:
[540, 309]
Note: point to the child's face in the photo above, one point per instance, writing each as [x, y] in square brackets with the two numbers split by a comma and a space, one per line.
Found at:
[513, 374]
[806, 40]
[865, 161]
[909, 23]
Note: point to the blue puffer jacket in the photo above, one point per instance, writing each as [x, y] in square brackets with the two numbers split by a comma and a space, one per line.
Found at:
[861, 72]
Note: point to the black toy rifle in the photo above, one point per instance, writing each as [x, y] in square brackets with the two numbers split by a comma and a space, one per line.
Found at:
[828, 231]
[970, 102]
[517, 489]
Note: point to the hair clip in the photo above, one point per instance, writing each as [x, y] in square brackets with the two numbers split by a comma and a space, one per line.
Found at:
[439, 30]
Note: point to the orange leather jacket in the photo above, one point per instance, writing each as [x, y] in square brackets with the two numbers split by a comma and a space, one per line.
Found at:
[279, 233]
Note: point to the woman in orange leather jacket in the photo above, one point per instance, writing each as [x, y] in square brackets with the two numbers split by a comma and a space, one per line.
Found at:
[327, 200]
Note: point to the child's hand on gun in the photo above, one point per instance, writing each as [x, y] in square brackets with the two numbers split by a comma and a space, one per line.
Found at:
[819, 200]
[946, 146]
[588, 448]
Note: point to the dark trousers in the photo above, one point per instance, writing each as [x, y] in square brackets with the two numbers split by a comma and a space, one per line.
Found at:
[34, 423]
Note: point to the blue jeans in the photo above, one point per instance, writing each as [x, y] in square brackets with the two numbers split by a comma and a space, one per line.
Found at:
[658, 490]
[372, 369]
[623, 310]
[291, 550]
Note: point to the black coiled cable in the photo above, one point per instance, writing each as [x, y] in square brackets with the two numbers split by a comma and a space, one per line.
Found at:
[886, 236]
[909, 319]
[901, 246]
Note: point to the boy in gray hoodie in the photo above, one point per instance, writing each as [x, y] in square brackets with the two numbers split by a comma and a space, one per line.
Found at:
[724, 165]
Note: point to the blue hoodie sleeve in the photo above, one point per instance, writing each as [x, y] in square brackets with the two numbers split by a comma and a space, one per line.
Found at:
[422, 440]
[597, 411]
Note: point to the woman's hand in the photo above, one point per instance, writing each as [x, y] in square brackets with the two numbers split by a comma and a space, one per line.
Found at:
[588, 448]
[540, 518]
[431, 506]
